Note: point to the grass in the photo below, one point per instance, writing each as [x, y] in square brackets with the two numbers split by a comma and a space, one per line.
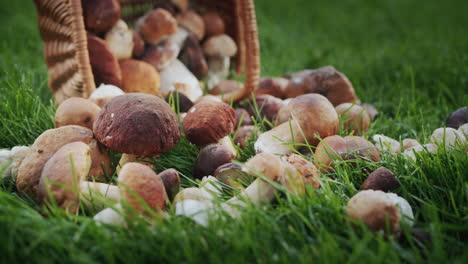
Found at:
[408, 58]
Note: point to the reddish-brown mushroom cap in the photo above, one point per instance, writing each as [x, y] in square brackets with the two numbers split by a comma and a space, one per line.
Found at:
[210, 158]
[156, 25]
[171, 180]
[226, 87]
[139, 185]
[138, 45]
[100, 16]
[139, 77]
[192, 22]
[138, 124]
[76, 111]
[105, 67]
[214, 24]
[272, 86]
[354, 118]
[208, 121]
[192, 56]
[381, 179]
[267, 105]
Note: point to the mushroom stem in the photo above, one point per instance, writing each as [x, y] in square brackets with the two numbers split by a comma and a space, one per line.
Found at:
[226, 141]
[91, 191]
[112, 216]
[218, 70]
[277, 139]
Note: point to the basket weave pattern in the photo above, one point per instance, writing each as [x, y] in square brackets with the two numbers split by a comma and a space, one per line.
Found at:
[65, 46]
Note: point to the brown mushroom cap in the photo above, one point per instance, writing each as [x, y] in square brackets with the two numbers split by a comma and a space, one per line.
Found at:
[409, 143]
[138, 45]
[156, 25]
[100, 16]
[354, 118]
[265, 164]
[346, 148]
[208, 121]
[160, 56]
[193, 23]
[375, 210]
[272, 86]
[58, 176]
[371, 110]
[192, 56]
[214, 24]
[326, 81]
[101, 164]
[181, 5]
[29, 172]
[210, 158]
[316, 116]
[180, 100]
[105, 67]
[267, 105]
[226, 87]
[139, 77]
[243, 116]
[381, 179]
[139, 124]
[140, 187]
[76, 111]
[220, 46]
[457, 118]
[171, 180]
[244, 134]
[308, 170]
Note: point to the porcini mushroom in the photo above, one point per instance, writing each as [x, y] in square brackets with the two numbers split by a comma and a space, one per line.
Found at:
[214, 24]
[104, 64]
[182, 102]
[208, 122]
[162, 55]
[210, 158]
[307, 169]
[156, 25]
[138, 45]
[192, 56]
[381, 179]
[193, 23]
[379, 211]
[457, 118]
[10, 160]
[274, 86]
[76, 111]
[386, 144]
[353, 118]
[171, 180]
[300, 129]
[139, 77]
[448, 136]
[267, 106]
[120, 40]
[177, 74]
[326, 81]
[243, 117]
[104, 93]
[218, 49]
[100, 15]
[409, 143]
[244, 134]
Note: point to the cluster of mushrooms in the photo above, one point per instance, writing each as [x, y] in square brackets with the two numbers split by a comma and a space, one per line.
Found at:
[130, 113]
[169, 48]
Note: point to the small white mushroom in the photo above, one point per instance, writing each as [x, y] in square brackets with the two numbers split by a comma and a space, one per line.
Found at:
[410, 153]
[218, 49]
[447, 136]
[386, 144]
[464, 129]
[104, 93]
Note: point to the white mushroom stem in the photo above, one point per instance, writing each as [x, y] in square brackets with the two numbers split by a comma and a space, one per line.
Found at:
[92, 191]
[176, 73]
[386, 144]
[448, 136]
[218, 70]
[227, 142]
[278, 139]
[111, 216]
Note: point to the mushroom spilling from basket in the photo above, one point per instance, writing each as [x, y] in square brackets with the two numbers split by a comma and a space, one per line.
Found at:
[166, 77]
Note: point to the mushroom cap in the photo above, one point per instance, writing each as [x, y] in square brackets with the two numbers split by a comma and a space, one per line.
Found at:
[156, 25]
[162, 55]
[346, 148]
[210, 158]
[208, 121]
[268, 106]
[381, 179]
[139, 77]
[192, 56]
[138, 45]
[76, 111]
[243, 117]
[371, 110]
[138, 182]
[100, 16]
[181, 100]
[62, 177]
[457, 118]
[308, 170]
[386, 144]
[375, 209]
[272, 86]
[120, 40]
[220, 46]
[326, 81]
[214, 24]
[29, 172]
[104, 64]
[316, 116]
[265, 164]
[448, 136]
[192, 193]
[353, 117]
[226, 87]
[171, 180]
[138, 124]
[409, 143]
[192, 22]
[244, 134]
[104, 93]
[177, 74]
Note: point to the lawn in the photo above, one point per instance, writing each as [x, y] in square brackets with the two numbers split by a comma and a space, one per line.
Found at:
[409, 58]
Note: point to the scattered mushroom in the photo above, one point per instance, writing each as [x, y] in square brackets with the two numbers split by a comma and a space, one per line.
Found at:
[177, 73]
[232, 175]
[162, 55]
[302, 110]
[192, 56]
[104, 93]
[272, 86]
[171, 180]
[411, 152]
[138, 124]
[214, 24]
[100, 15]
[457, 118]
[10, 160]
[371, 110]
[386, 144]
[156, 25]
[354, 118]
[244, 134]
[381, 179]
[120, 40]
[243, 117]
[218, 49]
[346, 148]
[104, 64]
[409, 143]
[309, 172]
[210, 158]
[138, 45]
[194, 203]
[448, 136]
[380, 211]
[193, 23]
[139, 77]
[226, 88]
[267, 106]
[182, 102]
[76, 111]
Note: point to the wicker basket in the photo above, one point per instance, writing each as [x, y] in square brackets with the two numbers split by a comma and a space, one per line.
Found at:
[65, 48]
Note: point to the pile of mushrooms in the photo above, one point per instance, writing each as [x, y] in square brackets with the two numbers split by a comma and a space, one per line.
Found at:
[171, 47]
